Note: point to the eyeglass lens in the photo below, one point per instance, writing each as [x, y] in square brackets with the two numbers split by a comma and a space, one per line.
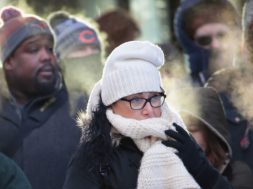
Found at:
[139, 103]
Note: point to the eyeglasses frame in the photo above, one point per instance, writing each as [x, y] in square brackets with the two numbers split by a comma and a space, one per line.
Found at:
[162, 94]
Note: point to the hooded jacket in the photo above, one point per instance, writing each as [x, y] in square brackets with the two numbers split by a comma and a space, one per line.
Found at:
[233, 86]
[197, 58]
[211, 114]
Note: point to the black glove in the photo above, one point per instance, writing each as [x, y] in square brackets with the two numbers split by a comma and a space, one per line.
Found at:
[192, 156]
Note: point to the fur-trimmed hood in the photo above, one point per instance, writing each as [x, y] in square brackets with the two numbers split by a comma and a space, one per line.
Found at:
[83, 120]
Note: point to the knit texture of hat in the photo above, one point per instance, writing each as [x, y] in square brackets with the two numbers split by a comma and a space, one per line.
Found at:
[131, 68]
[16, 28]
[71, 34]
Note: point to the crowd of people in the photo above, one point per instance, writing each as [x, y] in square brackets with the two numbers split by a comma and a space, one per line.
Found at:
[83, 103]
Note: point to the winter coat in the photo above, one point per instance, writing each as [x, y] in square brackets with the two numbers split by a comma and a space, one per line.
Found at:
[227, 83]
[196, 57]
[41, 138]
[11, 176]
[121, 172]
[211, 113]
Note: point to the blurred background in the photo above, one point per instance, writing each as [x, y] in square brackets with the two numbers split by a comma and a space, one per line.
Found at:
[154, 17]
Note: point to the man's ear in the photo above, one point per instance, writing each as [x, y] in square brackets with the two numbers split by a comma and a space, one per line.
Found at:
[8, 64]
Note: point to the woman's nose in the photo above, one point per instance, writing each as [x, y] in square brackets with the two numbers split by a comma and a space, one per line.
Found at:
[148, 109]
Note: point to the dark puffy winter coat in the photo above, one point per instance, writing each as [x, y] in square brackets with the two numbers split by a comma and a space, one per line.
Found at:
[41, 137]
[122, 171]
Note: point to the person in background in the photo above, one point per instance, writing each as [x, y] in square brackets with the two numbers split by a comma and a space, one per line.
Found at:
[234, 87]
[36, 128]
[208, 126]
[119, 27]
[80, 50]
[247, 23]
[11, 176]
[127, 131]
[209, 31]
[235, 90]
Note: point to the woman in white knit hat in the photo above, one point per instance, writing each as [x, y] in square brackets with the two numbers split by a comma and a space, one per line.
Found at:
[126, 131]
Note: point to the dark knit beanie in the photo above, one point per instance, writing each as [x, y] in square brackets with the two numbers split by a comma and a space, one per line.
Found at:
[71, 33]
[16, 28]
[210, 11]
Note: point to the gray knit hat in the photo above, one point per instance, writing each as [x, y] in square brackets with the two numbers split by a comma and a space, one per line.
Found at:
[72, 33]
[131, 68]
[16, 28]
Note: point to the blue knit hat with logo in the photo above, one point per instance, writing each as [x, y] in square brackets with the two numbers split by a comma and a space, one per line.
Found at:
[71, 34]
[18, 27]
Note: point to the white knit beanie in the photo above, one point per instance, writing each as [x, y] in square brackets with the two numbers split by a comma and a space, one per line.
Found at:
[131, 68]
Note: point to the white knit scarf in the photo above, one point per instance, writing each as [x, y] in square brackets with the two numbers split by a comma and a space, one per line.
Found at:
[160, 167]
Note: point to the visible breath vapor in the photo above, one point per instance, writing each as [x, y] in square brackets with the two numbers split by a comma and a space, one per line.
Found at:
[242, 93]
[178, 87]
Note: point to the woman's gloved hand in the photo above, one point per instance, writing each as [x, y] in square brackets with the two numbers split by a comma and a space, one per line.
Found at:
[192, 156]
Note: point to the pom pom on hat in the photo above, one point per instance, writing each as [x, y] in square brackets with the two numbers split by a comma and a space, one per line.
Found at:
[131, 68]
[10, 13]
[18, 27]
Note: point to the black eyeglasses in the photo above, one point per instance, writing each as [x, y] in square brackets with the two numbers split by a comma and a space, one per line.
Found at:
[155, 101]
[206, 40]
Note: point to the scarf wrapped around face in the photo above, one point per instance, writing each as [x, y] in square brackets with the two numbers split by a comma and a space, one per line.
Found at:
[160, 166]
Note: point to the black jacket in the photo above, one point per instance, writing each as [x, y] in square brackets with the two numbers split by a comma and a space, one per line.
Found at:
[41, 137]
[122, 171]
